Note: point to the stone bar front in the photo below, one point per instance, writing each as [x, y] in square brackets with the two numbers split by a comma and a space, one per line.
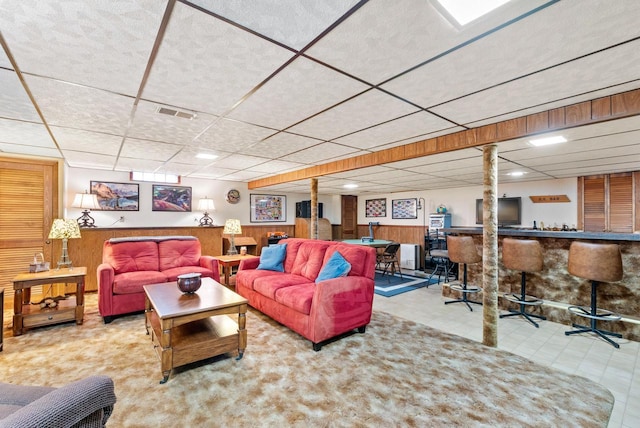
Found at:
[557, 287]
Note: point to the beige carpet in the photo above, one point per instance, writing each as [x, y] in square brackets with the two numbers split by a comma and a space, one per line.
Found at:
[398, 373]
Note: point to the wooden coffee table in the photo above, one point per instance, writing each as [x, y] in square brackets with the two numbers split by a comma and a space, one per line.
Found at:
[186, 328]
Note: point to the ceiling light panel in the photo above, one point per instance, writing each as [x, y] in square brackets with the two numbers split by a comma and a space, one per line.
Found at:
[14, 102]
[90, 109]
[41, 32]
[301, 90]
[303, 21]
[205, 82]
[580, 76]
[279, 145]
[32, 134]
[153, 150]
[361, 112]
[230, 135]
[319, 154]
[87, 141]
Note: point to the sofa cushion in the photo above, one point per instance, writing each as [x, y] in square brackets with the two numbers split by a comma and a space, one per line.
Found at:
[272, 258]
[176, 253]
[268, 285]
[131, 256]
[335, 267]
[297, 297]
[172, 274]
[360, 258]
[132, 282]
[310, 259]
[246, 277]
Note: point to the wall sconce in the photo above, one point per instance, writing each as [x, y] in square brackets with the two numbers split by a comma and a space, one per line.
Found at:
[64, 229]
[87, 201]
[232, 227]
[205, 204]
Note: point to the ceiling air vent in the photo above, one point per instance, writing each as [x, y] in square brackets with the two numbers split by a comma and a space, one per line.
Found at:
[176, 113]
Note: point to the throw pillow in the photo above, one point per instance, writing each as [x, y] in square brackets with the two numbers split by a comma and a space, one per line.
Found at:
[271, 257]
[336, 266]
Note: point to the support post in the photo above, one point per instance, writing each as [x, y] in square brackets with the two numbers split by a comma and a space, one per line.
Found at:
[314, 208]
[490, 246]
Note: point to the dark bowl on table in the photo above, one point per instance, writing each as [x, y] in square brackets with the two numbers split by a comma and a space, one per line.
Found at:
[189, 282]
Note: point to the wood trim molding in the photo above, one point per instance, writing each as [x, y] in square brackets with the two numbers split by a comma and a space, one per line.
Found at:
[602, 109]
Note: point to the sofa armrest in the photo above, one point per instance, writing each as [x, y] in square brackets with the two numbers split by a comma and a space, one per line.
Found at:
[68, 405]
[105, 274]
[250, 263]
[211, 263]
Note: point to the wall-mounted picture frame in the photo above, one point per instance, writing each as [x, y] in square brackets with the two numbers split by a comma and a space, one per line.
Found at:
[268, 208]
[116, 196]
[404, 208]
[171, 198]
[376, 207]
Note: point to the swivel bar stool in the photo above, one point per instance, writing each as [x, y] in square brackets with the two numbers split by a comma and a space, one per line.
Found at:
[462, 250]
[525, 256]
[597, 263]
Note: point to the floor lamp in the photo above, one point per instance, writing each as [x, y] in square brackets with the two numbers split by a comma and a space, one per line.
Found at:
[232, 227]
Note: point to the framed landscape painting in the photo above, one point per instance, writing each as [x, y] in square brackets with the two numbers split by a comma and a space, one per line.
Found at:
[116, 196]
[404, 208]
[171, 198]
[268, 208]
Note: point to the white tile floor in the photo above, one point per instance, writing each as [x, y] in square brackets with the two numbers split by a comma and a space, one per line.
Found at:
[582, 354]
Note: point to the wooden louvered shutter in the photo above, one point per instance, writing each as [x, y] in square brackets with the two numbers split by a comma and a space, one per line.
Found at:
[621, 203]
[594, 204]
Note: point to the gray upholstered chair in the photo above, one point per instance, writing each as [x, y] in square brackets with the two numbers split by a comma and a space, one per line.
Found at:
[84, 403]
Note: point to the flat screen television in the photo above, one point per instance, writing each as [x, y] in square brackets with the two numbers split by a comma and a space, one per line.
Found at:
[509, 211]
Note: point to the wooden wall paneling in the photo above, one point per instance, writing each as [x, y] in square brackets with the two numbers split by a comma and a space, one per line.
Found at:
[557, 118]
[578, 114]
[580, 203]
[621, 203]
[636, 201]
[626, 103]
[512, 128]
[538, 122]
[601, 108]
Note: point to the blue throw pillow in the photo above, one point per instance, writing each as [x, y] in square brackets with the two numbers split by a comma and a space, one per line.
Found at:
[271, 257]
[336, 266]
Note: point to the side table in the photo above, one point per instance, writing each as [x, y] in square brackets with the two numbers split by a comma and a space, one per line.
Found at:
[226, 263]
[28, 316]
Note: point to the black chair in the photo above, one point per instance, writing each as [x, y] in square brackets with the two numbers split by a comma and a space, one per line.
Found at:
[437, 255]
[389, 260]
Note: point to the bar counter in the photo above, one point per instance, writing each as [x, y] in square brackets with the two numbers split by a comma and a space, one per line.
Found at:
[557, 287]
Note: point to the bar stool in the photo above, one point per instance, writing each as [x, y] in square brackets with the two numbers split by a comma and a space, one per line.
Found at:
[462, 250]
[438, 255]
[597, 263]
[525, 256]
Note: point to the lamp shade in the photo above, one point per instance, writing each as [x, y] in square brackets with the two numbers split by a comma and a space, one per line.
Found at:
[206, 205]
[64, 229]
[232, 227]
[87, 201]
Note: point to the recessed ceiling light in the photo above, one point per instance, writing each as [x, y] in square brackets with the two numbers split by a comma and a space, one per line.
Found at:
[350, 186]
[206, 156]
[516, 173]
[465, 11]
[548, 141]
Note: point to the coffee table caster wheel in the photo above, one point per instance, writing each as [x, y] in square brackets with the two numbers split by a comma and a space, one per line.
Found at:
[164, 379]
[240, 355]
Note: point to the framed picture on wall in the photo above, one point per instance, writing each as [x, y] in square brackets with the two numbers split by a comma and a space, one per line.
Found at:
[376, 207]
[268, 208]
[116, 196]
[404, 208]
[171, 198]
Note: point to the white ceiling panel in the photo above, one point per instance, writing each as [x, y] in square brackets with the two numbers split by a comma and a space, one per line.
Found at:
[275, 166]
[86, 141]
[30, 134]
[280, 145]
[368, 109]
[88, 160]
[213, 172]
[4, 60]
[230, 135]
[21, 149]
[217, 74]
[14, 101]
[419, 138]
[104, 44]
[360, 172]
[319, 153]
[303, 89]
[238, 161]
[153, 150]
[137, 164]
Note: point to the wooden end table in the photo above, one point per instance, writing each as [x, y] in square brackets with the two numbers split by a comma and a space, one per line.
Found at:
[186, 328]
[226, 263]
[27, 315]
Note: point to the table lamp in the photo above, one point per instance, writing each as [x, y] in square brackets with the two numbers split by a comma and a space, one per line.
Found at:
[87, 201]
[232, 227]
[64, 229]
[205, 204]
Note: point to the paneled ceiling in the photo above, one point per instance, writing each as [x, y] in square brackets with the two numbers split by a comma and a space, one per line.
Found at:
[281, 85]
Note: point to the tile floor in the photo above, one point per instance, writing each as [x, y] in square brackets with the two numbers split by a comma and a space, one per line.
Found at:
[583, 354]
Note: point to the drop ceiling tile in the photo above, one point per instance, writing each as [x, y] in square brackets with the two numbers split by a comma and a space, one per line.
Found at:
[577, 77]
[361, 112]
[244, 175]
[236, 161]
[276, 167]
[301, 90]
[88, 160]
[319, 153]
[31, 134]
[14, 101]
[137, 164]
[177, 168]
[151, 125]
[202, 63]
[413, 125]
[291, 22]
[79, 107]
[86, 141]
[21, 149]
[419, 138]
[230, 135]
[362, 172]
[188, 156]
[82, 42]
[390, 176]
[4, 60]
[152, 150]
[279, 145]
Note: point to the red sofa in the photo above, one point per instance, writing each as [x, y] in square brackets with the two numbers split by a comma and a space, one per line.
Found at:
[130, 263]
[318, 311]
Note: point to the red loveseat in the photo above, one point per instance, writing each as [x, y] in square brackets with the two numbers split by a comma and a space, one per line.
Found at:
[130, 263]
[318, 311]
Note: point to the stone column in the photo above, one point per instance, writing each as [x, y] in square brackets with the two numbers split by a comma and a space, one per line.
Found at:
[314, 208]
[490, 246]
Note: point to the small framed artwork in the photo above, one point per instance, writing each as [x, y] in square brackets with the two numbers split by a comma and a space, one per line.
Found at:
[116, 196]
[268, 208]
[171, 198]
[404, 208]
[376, 207]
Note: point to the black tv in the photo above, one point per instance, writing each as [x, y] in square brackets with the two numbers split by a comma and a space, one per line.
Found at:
[509, 211]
